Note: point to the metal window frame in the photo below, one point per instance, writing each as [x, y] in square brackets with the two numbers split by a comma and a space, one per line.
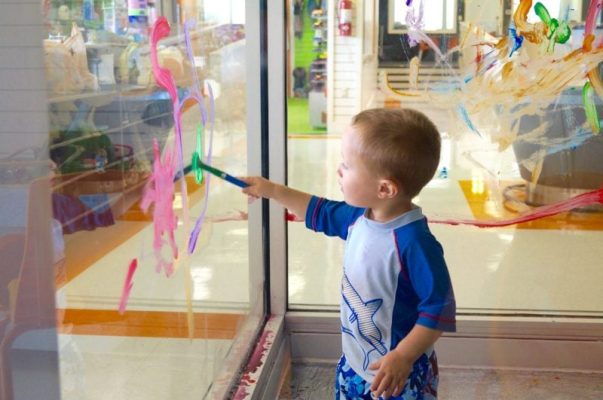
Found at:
[267, 124]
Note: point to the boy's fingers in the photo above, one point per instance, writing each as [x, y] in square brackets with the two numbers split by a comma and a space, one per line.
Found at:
[375, 365]
[391, 391]
[375, 383]
[383, 386]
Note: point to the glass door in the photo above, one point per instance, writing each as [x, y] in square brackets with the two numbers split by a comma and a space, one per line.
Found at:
[510, 146]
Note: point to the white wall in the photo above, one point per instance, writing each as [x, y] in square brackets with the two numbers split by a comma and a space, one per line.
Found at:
[370, 61]
[351, 74]
[24, 124]
[23, 110]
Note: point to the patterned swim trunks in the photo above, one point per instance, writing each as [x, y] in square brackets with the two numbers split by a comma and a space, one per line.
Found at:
[422, 384]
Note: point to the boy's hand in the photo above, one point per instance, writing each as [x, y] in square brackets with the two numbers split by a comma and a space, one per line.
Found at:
[258, 187]
[392, 372]
[293, 200]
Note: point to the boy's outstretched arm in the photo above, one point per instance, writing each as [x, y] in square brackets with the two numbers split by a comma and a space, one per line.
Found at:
[394, 368]
[293, 200]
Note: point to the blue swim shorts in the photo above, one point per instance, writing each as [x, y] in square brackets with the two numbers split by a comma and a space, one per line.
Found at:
[422, 383]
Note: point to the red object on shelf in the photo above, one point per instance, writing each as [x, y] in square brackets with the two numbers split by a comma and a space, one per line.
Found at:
[344, 12]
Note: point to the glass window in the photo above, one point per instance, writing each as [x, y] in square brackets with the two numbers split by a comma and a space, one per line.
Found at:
[505, 154]
[146, 256]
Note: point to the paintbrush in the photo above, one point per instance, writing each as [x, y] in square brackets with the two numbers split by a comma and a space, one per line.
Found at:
[222, 174]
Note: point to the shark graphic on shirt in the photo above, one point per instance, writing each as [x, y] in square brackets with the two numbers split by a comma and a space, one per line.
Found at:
[362, 314]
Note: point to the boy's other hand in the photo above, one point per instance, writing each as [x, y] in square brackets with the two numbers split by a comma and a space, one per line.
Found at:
[392, 372]
[258, 187]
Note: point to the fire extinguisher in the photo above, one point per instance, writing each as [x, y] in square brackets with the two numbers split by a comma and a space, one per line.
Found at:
[345, 17]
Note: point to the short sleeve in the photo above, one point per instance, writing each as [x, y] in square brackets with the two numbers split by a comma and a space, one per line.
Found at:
[429, 276]
[331, 217]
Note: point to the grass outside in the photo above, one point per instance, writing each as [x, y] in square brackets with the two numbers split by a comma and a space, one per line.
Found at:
[304, 48]
[298, 118]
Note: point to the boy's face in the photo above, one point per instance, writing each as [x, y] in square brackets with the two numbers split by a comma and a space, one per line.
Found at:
[359, 186]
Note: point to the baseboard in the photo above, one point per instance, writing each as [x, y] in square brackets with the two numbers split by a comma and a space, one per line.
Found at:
[538, 354]
[315, 338]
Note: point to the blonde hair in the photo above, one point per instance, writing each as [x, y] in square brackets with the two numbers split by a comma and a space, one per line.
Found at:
[399, 144]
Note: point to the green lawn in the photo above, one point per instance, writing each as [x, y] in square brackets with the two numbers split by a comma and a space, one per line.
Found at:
[298, 119]
[304, 54]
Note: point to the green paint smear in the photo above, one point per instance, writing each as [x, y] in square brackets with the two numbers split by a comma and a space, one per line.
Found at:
[590, 109]
[196, 165]
[558, 32]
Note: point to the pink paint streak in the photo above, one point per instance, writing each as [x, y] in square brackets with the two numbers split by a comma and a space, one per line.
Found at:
[593, 11]
[582, 200]
[160, 191]
[164, 78]
[160, 188]
[125, 293]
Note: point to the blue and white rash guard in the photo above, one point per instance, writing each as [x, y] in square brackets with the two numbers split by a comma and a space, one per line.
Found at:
[394, 276]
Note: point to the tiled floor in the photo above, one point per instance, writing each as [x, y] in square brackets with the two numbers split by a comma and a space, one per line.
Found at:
[500, 270]
[103, 367]
[310, 382]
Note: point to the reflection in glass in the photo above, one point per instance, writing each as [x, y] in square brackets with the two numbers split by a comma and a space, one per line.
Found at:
[78, 209]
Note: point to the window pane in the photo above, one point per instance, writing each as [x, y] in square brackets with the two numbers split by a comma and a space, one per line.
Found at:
[113, 219]
[506, 151]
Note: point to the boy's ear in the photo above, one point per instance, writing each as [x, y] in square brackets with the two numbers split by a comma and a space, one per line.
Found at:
[388, 189]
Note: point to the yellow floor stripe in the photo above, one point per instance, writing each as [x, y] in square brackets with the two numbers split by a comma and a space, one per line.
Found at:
[156, 324]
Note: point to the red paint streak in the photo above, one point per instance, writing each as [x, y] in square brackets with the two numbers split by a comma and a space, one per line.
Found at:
[255, 362]
[241, 392]
[256, 359]
[582, 200]
[289, 216]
